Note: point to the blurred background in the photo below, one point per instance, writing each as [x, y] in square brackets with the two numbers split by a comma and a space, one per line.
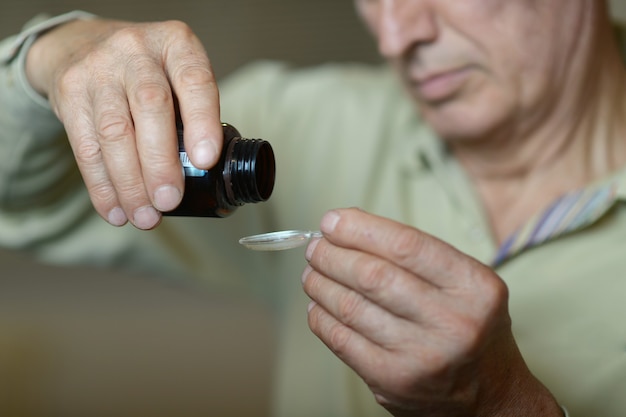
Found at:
[77, 342]
[233, 31]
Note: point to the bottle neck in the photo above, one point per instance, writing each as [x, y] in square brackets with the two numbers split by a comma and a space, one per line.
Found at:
[249, 170]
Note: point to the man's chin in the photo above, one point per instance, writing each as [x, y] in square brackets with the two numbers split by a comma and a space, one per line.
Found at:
[465, 117]
[457, 126]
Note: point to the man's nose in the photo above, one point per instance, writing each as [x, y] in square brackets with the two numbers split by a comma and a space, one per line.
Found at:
[404, 23]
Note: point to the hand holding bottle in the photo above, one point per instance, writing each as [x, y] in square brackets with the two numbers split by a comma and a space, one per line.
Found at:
[113, 84]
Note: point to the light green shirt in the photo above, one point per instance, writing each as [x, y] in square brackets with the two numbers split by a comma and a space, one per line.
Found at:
[343, 135]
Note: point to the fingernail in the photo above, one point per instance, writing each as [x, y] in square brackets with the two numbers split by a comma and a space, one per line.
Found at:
[329, 221]
[167, 197]
[305, 273]
[311, 248]
[117, 217]
[146, 217]
[310, 306]
[204, 153]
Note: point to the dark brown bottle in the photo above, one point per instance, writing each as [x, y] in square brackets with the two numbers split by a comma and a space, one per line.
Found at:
[244, 174]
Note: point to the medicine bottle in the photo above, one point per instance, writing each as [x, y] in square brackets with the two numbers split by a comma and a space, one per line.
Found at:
[245, 173]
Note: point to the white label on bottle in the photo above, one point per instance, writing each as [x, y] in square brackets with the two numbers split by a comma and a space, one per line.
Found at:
[190, 170]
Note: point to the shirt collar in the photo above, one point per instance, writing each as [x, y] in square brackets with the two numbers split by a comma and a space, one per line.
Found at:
[574, 211]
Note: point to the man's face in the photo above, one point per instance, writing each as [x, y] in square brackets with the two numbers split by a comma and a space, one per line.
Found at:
[474, 66]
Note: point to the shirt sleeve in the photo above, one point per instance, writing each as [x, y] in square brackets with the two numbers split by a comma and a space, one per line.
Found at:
[34, 153]
[14, 49]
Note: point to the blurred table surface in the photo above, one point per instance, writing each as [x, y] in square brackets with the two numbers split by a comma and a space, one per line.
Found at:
[78, 341]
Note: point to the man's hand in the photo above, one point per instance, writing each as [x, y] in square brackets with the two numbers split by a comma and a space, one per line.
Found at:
[425, 326]
[114, 86]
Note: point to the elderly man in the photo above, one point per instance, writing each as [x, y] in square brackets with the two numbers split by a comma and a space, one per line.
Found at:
[482, 274]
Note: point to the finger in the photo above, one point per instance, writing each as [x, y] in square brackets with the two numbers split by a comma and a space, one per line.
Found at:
[418, 252]
[387, 373]
[357, 312]
[356, 351]
[88, 154]
[389, 286]
[152, 108]
[194, 84]
[116, 136]
[72, 102]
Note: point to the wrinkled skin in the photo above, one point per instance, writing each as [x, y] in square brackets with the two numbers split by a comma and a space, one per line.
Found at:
[112, 84]
[477, 65]
[425, 326]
